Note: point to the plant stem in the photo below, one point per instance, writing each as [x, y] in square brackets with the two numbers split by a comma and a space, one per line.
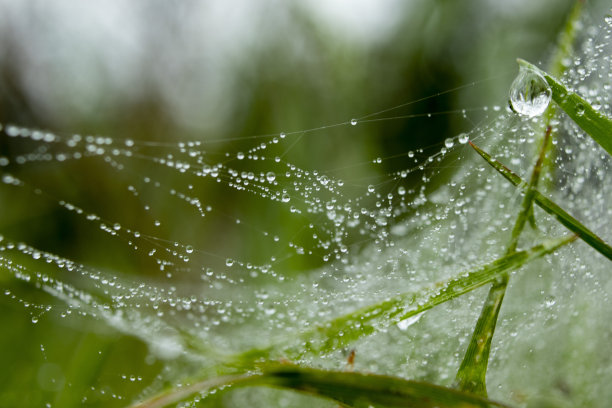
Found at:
[472, 372]
[551, 208]
[471, 376]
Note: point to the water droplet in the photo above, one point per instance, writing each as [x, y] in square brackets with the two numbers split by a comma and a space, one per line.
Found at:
[229, 262]
[401, 190]
[189, 249]
[270, 176]
[579, 109]
[608, 19]
[353, 122]
[463, 138]
[285, 198]
[282, 135]
[404, 324]
[371, 188]
[530, 94]
[34, 319]
[411, 154]
[240, 155]
[449, 143]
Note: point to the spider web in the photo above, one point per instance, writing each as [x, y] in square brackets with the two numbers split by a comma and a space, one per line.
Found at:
[321, 245]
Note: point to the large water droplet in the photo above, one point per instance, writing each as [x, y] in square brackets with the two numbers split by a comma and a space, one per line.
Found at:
[404, 324]
[530, 94]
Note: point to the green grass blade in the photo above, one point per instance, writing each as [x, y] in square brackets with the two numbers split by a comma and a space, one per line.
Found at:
[350, 389]
[471, 376]
[342, 331]
[527, 203]
[366, 390]
[550, 207]
[566, 39]
[594, 123]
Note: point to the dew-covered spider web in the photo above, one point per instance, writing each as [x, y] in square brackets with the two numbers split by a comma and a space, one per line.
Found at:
[230, 244]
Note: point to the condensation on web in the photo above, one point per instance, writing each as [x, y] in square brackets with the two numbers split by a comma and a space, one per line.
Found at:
[368, 240]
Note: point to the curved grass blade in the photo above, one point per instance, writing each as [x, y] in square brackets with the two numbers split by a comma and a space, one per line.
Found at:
[594, 123]
[341, 331]
[358, 390]
[550, 207]
[350, 389]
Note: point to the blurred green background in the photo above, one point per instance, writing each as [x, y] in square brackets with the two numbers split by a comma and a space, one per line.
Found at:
[218, 71]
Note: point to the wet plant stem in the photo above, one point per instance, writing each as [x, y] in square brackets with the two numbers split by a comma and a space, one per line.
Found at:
[471, 376]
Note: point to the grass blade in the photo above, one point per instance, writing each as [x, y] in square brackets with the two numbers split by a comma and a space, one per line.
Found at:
[594, 123]
[472, 373]
[366, 390]
[341, 331]
[550, 207]
[350, 389]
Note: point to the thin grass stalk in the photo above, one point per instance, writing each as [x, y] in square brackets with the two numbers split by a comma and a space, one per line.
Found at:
[571, 223]
[472, 373]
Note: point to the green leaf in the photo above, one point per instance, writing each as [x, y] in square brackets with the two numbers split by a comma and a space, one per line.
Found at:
[594, 123]
[365, 390]
[550, 207]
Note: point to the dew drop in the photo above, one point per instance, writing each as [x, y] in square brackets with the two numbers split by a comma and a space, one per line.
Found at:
[270, 176]
[189, 249]
[404, 324]
[229, 262]
[401, 190]
[353, 122]
[449, 143]
[240, 155]
[579, 109]
[285, 198]
[530, 94]
[371, 188]
[463, 138]
[282, 135]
